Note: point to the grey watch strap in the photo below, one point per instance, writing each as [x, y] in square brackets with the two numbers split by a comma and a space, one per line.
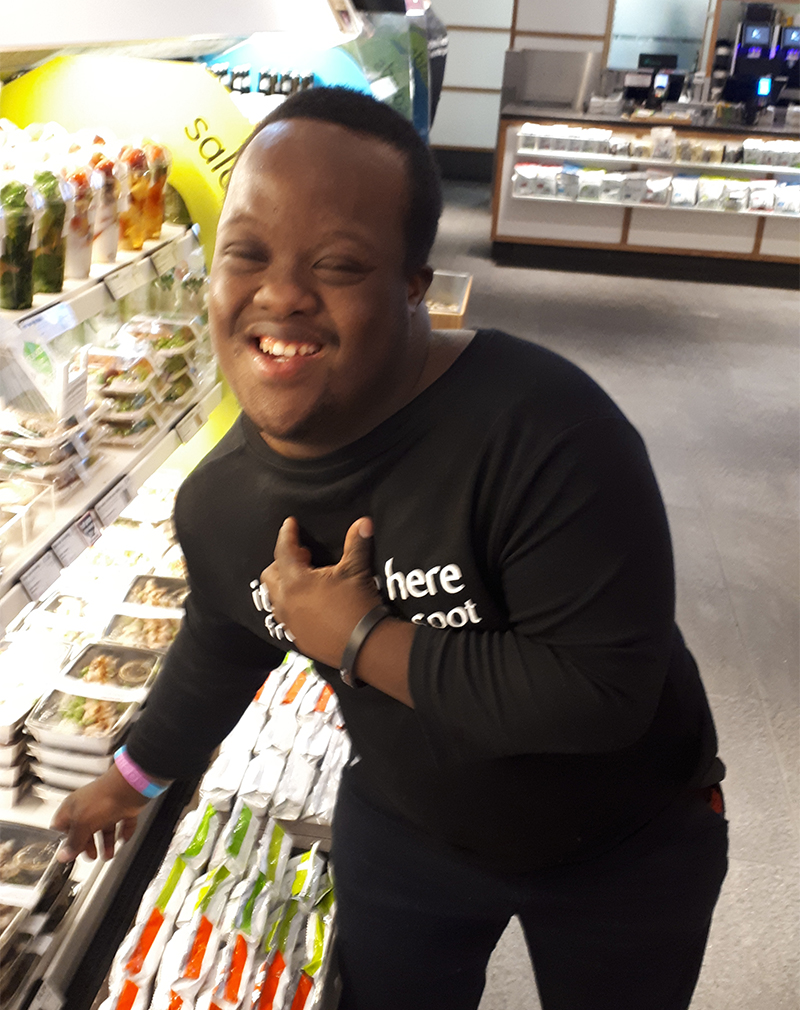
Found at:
[357, 639]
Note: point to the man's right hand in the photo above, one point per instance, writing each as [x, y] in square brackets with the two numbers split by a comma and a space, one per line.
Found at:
[100, 806]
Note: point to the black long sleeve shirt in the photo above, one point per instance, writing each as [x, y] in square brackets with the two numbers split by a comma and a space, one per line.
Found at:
[519, 526]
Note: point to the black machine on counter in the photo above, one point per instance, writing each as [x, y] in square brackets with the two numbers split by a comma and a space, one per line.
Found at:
[765, 63]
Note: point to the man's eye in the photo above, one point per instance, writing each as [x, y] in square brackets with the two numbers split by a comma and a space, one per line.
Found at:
[340, 266]
[243, 252]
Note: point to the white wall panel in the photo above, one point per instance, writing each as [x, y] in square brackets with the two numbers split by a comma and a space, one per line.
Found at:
[558, 45]
[683, 229]
[483, 14]
[781, 237]
[466, 119]
[475, 59]
[578, 17]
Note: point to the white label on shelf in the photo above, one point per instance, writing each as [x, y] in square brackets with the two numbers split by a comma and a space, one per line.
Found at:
[39, 577]
[70, 545]
[111, 504]
[165, 258]
[89, 526]
[46, 998]
[192, 423]
[122, 282]
[49, 323]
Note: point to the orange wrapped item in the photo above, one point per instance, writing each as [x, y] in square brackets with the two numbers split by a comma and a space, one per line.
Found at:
[131, 219]
[159, 163]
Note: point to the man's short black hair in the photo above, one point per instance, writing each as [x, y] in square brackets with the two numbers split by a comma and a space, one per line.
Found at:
[364, 114]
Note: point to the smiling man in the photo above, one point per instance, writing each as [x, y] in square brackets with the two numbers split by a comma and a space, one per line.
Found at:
[465, 534]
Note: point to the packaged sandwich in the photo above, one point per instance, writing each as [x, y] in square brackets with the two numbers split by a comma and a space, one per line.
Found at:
[684, 191]
[223, 779]
[261, 779]
[237, 839]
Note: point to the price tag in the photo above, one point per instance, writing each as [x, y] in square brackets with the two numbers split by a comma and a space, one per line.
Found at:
[70, 545]
[40, 576]
[189, 426]
[49, 324]
[46, 998]
[165, 258]
[121, 282]
[111, 504]
[89, 526]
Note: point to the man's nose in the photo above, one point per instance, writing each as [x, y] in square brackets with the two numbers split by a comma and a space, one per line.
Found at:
[283, 291]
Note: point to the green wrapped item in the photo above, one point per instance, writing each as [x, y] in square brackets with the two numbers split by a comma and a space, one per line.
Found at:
[51, 243]
[16, 257]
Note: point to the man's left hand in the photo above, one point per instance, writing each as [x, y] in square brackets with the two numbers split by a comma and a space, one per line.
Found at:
[321, 606]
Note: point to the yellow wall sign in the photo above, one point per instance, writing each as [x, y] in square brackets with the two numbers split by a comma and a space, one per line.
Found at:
[178, 104]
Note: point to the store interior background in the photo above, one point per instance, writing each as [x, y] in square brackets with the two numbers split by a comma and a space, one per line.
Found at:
[708, 372]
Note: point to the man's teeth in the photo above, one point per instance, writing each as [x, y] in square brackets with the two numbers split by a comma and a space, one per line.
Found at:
[279, 349]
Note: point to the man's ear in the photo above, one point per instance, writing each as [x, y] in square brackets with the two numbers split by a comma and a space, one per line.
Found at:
[418, 284]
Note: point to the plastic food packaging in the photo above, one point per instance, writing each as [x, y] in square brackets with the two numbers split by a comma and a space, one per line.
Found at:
[128, 996]
[709, 192]
[158, 164]
[568, 182]
[16, 252]
[132, 216]
[657, 190]
[80, 226]
[113, 671]
[664, 141]
[106, 222]
[735, 195]
[591, 185]
[51, 198]
[611, 190]
[158, 592]
[235, 843]
[295, 786]
[119, 374]
[787, 199]
[620, 145]
[27, 863]
[261, 779]
[54, 757]
[641, 148]
[192, 950]
[223, 780]
[684, 191]
[320, 804]
[79, 723]
[164, 337]
[143, 632]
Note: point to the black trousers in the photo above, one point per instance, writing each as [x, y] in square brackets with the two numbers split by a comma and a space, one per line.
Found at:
[625, 931]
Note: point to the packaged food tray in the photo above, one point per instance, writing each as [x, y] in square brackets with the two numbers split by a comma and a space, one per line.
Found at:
[74, 722]
[27, 863]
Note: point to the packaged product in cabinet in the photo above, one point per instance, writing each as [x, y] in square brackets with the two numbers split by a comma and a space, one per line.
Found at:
[641, 147]
[657, 189]
[709, 192]
[733, 152]
[16, 246]
[157, 591]
[143, 632]
[611, 191]
[713, 152]
[158, 164]
[684, 149]
[52, 200]
[119, 374]
[136, 183]
[192, 950]
[80, 228]
[235, 843]
[528, 136]
[787, 199]
[100, 667]
[753, 151]
[76, 722]
[320, 804]
[590, 184]
[735, 195]
[569, 181]
[597, 141]
[684, 191]
[665, 142]
[261, 778]
[244, 734]
[524, 178]
[620, 144]
[106, 185]
[223, 780]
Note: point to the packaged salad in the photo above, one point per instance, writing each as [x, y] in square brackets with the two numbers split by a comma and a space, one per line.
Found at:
[16, 254]
[132, 216]
[51, 199]
[106, 222]
[158, 164]
[80, 227]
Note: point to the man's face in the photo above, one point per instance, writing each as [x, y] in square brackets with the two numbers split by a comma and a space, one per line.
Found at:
[311, 306]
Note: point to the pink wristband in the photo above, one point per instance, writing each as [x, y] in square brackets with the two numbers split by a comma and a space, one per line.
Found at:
[134, 775]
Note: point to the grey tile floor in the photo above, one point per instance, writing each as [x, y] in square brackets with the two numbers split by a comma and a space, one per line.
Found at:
[709, 374]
